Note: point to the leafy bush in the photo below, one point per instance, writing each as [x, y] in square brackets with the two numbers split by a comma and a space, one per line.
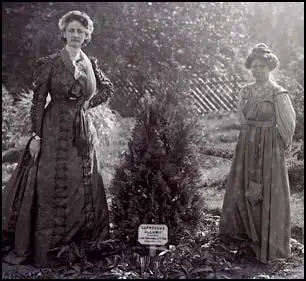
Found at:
[7, 114]
[296, 176]
[103, 120]
[11, 121]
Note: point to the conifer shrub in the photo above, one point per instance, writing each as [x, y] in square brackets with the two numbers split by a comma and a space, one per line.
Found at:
[158, 179]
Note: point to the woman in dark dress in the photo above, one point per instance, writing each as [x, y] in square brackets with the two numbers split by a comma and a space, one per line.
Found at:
[56, 198]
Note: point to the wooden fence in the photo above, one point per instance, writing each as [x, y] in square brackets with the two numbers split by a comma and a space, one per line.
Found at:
[209, 95]
[215, 94]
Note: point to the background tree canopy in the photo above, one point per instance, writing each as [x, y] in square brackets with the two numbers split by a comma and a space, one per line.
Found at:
[134, 39]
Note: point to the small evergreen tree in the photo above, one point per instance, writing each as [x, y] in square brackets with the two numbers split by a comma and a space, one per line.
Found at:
[157, 182]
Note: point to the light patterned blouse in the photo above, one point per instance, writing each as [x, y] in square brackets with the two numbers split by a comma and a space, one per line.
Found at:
[253, 95]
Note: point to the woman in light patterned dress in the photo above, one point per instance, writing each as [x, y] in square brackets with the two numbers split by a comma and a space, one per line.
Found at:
[256, 205]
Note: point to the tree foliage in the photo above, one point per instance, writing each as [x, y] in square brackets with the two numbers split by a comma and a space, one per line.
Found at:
[205, 37]
[281, 26]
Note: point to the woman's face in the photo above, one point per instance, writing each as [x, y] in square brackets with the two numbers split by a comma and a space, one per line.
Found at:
[75, 34]
[260, 70]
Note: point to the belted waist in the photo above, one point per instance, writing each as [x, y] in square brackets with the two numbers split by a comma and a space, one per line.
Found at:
[80, 125]
[256, 123]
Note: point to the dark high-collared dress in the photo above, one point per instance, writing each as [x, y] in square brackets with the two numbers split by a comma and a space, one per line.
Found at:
[60, 199]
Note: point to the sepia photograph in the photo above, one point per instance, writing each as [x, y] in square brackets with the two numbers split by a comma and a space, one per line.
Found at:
[152, 140]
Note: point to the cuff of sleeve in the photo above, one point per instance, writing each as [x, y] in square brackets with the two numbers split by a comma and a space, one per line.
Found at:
[35, 136]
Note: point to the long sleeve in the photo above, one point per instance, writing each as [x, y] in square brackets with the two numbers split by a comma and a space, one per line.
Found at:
[105, 88]
[285, 118]
[240, 105]
[40, 93]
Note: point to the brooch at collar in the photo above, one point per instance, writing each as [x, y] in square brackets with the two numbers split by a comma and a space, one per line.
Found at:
[80, 69]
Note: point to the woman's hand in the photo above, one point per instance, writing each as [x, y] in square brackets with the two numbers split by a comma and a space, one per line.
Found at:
[34, 148]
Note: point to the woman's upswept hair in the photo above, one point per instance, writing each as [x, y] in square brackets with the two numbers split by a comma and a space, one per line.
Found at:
[82, 18]
[262, 52]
